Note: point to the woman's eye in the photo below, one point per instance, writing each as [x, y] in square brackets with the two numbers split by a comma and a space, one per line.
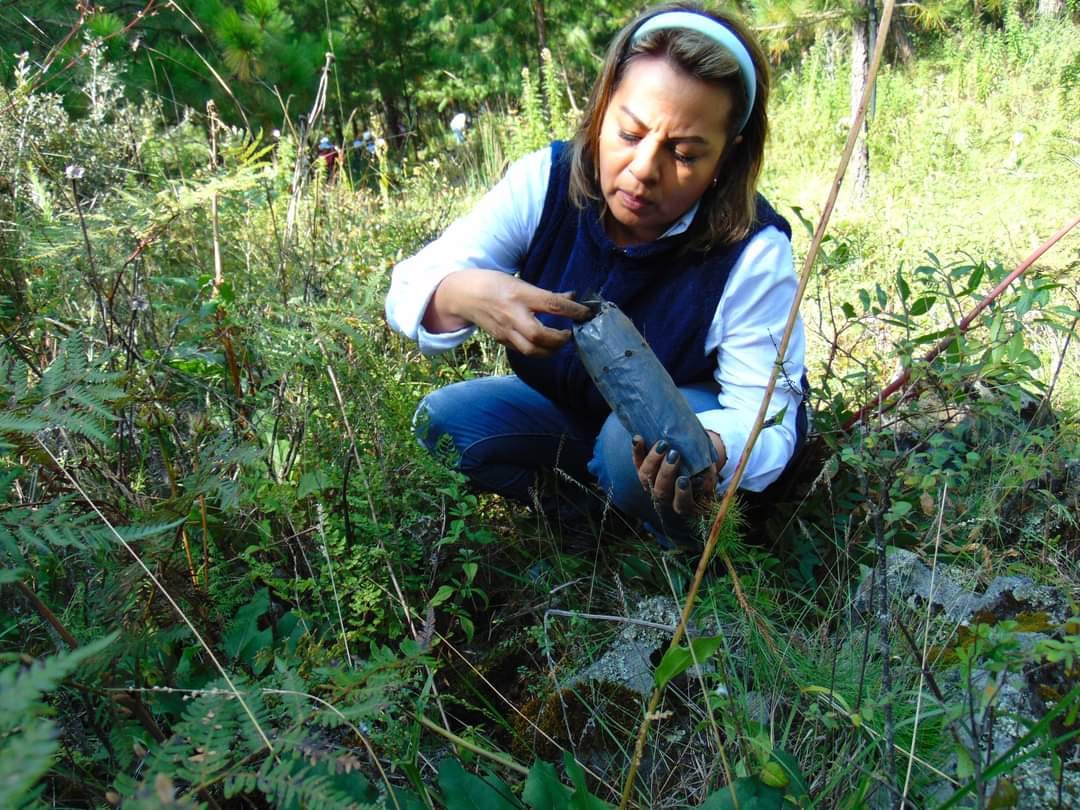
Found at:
[629, 137]
[686, 160]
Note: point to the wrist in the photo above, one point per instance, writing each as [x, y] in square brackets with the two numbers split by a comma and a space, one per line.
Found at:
[445, 308]
[721, 449]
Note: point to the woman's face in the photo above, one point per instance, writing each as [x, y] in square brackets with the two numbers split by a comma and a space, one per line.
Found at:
[661, 141]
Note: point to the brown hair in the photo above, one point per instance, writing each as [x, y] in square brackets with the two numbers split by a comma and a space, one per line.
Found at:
[728, 208]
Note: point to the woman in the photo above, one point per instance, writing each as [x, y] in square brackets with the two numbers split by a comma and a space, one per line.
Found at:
[653, 206]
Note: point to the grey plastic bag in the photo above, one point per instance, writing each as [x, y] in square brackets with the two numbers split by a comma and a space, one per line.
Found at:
[638, 388]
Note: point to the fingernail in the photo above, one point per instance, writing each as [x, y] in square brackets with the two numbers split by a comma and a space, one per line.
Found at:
[638, 440]
[683, 482]
[662, 446]
[673, 456]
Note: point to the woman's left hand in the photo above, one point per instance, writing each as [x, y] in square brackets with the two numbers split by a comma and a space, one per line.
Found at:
[658, 472]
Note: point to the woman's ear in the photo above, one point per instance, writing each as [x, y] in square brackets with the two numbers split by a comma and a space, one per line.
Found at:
[738, 140]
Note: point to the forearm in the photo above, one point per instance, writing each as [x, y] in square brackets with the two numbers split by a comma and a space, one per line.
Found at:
[451, 300]
[494, 235]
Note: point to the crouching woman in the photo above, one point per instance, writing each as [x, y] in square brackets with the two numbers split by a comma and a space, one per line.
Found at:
[653, 206]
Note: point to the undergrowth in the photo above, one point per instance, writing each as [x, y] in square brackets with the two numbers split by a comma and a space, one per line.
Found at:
[232, 577]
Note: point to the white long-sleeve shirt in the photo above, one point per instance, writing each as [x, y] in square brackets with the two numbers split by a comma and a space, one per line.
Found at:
[745, 330]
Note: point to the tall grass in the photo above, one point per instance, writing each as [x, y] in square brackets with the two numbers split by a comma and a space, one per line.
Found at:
[973, 153]
[304, 479]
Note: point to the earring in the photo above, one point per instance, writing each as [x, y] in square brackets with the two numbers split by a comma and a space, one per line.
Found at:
[715, 182]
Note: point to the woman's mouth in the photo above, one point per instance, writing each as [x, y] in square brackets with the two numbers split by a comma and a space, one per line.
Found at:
[632, 202]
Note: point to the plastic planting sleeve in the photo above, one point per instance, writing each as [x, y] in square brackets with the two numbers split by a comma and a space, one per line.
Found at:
[638, 388]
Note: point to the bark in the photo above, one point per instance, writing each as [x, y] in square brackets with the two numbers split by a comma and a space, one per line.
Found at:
[541, 24]
[541, 40]
[1051, 8]
[860, 70]
[903, 49]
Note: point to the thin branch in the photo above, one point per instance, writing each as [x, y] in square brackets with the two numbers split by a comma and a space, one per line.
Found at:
[605, 617]
[879, 402]
[759, 421]
[506, 762]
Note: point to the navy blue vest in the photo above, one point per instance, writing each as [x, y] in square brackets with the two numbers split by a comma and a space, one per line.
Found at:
[670, 294]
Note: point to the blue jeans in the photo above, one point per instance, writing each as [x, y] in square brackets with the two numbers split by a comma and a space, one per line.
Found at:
[503, 433]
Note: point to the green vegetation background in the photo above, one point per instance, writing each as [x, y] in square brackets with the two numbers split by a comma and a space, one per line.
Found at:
[232, 578]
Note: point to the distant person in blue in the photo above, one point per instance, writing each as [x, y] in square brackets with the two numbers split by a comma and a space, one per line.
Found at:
[327, 157]
[653, 205]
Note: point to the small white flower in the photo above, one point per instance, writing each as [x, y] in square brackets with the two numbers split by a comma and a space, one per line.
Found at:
[73, 172]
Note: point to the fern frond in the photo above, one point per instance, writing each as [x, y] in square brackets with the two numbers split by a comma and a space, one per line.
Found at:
[21, 425]
[26, 757]
[135, 533]
[78, 423]
[93, 400]
[294, 784]
[21, 688]
[27, 740]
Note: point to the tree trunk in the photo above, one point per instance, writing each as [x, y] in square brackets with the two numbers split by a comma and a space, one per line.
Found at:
[1051, 8]
[541, 25]
[860, 70]
[541, 42]
[903, 50]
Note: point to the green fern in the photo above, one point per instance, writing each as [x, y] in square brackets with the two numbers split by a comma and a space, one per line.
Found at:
[293, 783]
[27, 739]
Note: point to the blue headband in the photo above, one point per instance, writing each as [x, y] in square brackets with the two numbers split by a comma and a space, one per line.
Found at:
[720, 34]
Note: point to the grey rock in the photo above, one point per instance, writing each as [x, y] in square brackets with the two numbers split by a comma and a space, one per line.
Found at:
[912, 583]
[627, 659]
[1017, 704]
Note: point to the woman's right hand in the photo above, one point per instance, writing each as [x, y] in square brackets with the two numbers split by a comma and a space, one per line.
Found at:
[505, 307]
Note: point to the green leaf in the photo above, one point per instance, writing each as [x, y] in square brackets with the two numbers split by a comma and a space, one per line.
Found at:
[581, 799]
[470, 569]
[678, 659]
[466, 791]
[902, 286]
[798, 787]
[9, 575]
[467, 626]
[441, 595]
[243, 639]
[922, 305]
[898, 511]
[314, 481]
[750, 793]
[543, 790]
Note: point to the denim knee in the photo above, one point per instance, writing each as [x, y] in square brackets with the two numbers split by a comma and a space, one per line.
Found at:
[612, 466]
[431, 428]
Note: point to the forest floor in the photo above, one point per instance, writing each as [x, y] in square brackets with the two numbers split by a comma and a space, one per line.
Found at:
[232, 577]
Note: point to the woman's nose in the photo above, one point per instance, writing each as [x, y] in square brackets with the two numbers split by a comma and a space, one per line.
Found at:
[645, 167]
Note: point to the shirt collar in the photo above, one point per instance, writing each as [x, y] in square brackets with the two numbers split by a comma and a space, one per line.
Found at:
[682, 224]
